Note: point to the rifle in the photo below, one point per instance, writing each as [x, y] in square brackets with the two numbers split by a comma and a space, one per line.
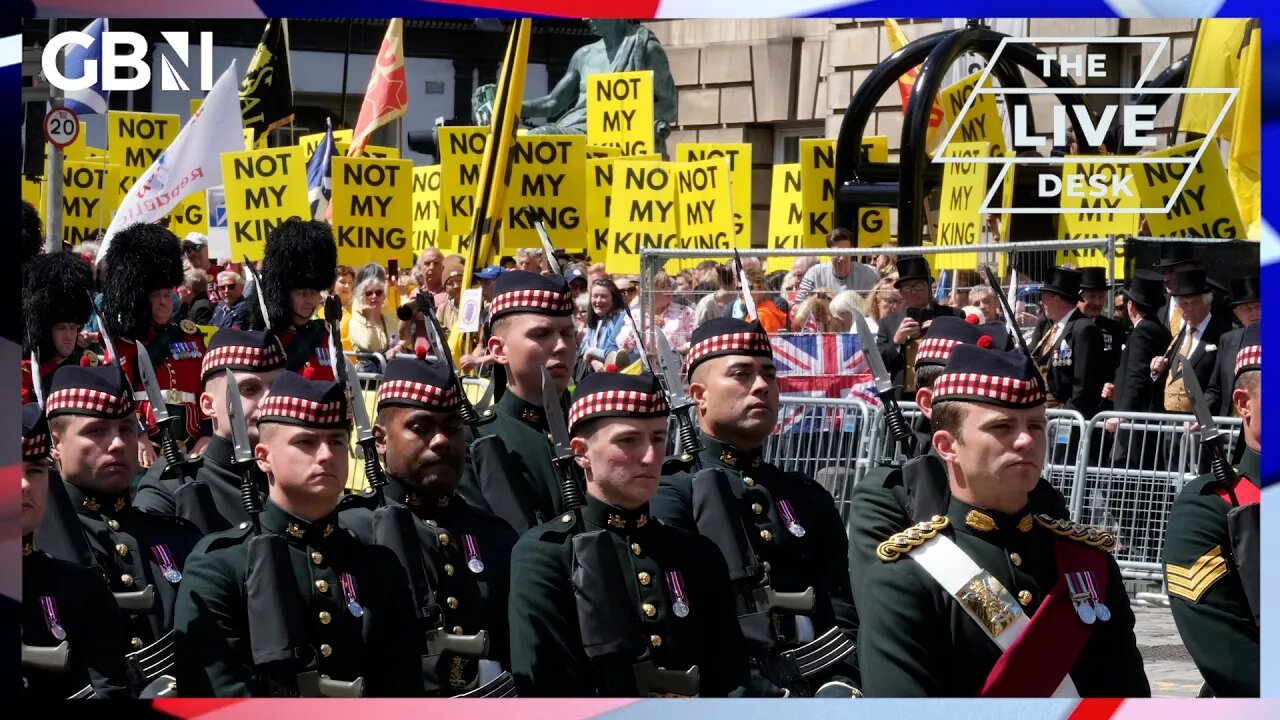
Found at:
[571, 480]
[885, 388]
[373, 474]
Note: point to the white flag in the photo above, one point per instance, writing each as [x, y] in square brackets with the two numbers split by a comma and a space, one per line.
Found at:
[191, 163]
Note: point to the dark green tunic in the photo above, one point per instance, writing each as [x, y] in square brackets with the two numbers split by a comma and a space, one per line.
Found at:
[81, 604]
[916, 640]
[156, 492]
[522, 426]
[819, 559]
[213, 644]
[1205, 591]
[465, 602]
[547, 654]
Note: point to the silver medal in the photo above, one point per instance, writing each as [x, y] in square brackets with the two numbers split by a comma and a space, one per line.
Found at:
[354, 608]
[475, 565]
[680, 608]
[172, 575]
[796, 529]
[58, 631]
[1085, 611]
[1102, 611]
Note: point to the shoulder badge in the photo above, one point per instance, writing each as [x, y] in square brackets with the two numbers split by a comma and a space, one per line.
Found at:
[189, 327]
[1072, 530]
[902, 543]
[1193, 581]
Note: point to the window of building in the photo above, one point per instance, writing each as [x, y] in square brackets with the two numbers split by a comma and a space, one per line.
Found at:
[786, 141]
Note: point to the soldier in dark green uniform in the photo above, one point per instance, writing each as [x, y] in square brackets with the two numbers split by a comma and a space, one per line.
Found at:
[891, 498]
[92, 522]
[211, 500]
[607, 600]
[331, 604]
[459, 561]
[791, 521]
[1210, 564]
[63, 604]
[532, 329]
[990, 600]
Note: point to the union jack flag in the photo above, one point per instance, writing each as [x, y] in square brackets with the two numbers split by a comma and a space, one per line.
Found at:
[822, 365]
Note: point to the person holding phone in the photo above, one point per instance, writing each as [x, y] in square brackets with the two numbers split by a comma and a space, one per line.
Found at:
[899, 334]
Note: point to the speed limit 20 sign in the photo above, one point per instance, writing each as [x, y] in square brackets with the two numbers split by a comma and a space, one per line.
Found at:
[61, 127]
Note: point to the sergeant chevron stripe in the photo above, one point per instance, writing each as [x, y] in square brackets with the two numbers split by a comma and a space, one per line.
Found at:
[1189, 583]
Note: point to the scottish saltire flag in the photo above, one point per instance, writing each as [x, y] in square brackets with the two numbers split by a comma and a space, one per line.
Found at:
[93, 99]
[820, 365]
[320, 173]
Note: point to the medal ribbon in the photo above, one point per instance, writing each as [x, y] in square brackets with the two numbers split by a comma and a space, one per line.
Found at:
[162, 556]
[50, 607]
[675, 584]
[1074, 588]
[349, 589]
[788, 515]
[471, 547]
[1088, 583]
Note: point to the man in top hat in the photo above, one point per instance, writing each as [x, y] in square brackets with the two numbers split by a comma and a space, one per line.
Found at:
[213, 503]
[990, 599]
[62, 603]
[260, 610]
[899, 334]
[142, 266]
[1176, 257]
[607, 600]
[297, 265]
[890, 498]
[1136, 391]
[1196, 338]
[57, 291]
[1093, 305]
[459, 560]
[531, 329]
[1211, 554]
[1068, 347]
[790, 520]
[94, 434]
[1246, 305]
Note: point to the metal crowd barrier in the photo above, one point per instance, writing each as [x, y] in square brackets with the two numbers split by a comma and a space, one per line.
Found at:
[831, 440]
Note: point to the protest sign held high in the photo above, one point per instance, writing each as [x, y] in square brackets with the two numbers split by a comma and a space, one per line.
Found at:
[1094, 221]
[89, 194]
[620, 111]
[739, 155]
[643, 214]
[135, 140]
[263, 188]
[426, 210]
[963, 189]
[1206, 206]
[547, 177]
[372, 210]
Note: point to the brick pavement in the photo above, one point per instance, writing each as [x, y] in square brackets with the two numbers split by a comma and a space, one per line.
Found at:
[1169, 667]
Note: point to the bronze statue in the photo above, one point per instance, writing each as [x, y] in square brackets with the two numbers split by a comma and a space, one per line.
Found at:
[624, 46]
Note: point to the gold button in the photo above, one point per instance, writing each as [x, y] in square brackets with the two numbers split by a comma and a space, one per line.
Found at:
[325, 617]
[322, 586]
[644, 578]
[748, 482]
[648, 609]
[317, 558]
[566, 517]
[766, 535]
[136, 643]
[444, 538]
[127, 579]
[452, 602]
[757, 508]
[635, 548]
[122, 549]
[326, 650]
[457, 629]
[448, 569]
[1016, 559]
[1024, 597]
[655, 640]
[244, 525]
[114, 525]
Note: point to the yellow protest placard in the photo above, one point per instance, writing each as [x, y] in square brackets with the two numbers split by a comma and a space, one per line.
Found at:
[461, 149]
[599, 198]
[372, 151]
[548, 176]
[786, 210]
[33, 192]
[263, 189]
[311, 141]
[77, 149]
[643, 215]
[426, 210]
[620, 111]
[703, 206]
[89, 195]
[135, 140]
[964, 187]
[372, 210]
[873, 223]
[602, 151]
[1206, 206]
[1006, 218]
[818, 189]
[1094, 187]
[190, 216]
[981, 122]
[739, 159]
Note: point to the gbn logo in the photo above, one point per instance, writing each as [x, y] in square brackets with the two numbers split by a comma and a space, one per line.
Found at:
[121, 50]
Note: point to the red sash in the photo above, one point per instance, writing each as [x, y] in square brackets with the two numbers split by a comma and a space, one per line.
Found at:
[1246, 492]
[1035, 664]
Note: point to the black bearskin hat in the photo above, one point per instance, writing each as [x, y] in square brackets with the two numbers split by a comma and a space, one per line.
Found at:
[140, 259]
[32, 232]
[56, 288]
[300, 254]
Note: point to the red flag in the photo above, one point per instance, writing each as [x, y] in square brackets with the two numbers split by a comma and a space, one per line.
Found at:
[386, 96]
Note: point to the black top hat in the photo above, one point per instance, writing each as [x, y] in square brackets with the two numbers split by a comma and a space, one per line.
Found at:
[1245, 289]
[99, 391]
[519, 291]
[942, 337]
[995, 377]
[727, 336]
[1249, 356]
[423, 384]
[1094, 278]
[241, 350]
[1146, 287]
[1190, 281]
[611, 394]
[35, 433]
[295, 400]
[1065, 282]
[1173, 254]
[912, 267]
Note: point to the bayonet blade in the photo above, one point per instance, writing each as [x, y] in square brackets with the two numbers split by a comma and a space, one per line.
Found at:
[555, 416]
[1208, 428]
[158, 407]
[257, 293]
[37, 384]
[671, 367]
[867, 342]
[547, 247]
[241, 449]
[486, 397]
[364, 429]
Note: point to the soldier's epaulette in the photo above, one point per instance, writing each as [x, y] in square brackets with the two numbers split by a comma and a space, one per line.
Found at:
[559, 528]
[675, 464]
[902, 543]
[364, 499]
[229, 537]
[1079, 532]
[487, 416]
